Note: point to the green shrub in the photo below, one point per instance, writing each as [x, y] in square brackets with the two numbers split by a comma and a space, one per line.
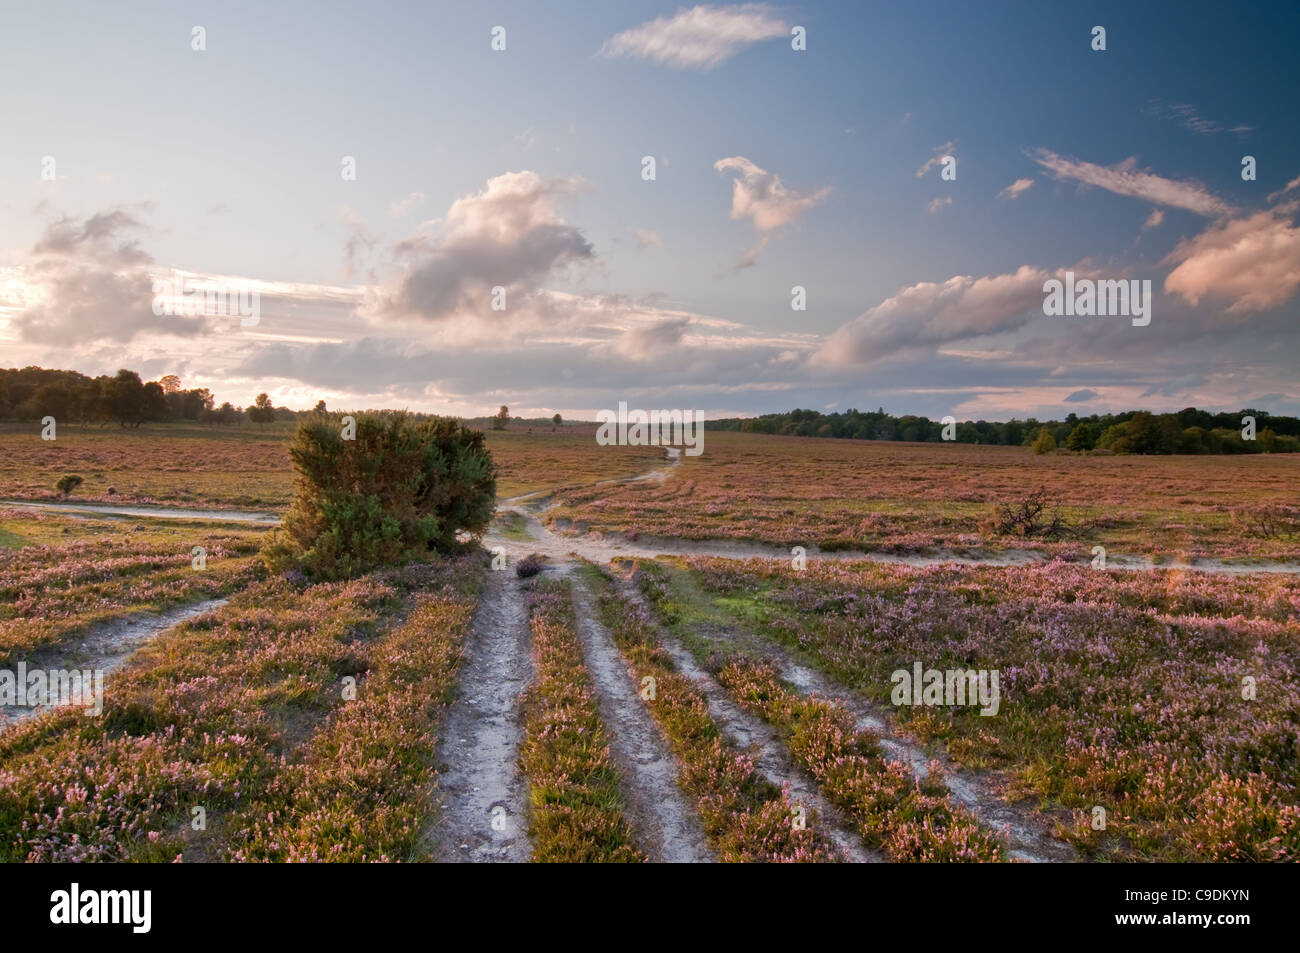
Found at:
[68, 483]
[401, 489]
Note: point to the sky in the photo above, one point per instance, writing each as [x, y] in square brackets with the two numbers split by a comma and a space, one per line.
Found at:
[920, 171]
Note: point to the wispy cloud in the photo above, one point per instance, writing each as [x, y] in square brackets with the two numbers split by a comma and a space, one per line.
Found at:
[1015, 189]
[1187, 116]
[1126, 178]
[947, 149]
[703, 37]
[936, 204]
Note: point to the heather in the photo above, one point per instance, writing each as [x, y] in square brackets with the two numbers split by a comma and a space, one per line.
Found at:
[207, 716]
[50, 592]
[1119, 690]
[907, 498]
[745, 818]
[361, 789]
[576, 810]
[914, 820]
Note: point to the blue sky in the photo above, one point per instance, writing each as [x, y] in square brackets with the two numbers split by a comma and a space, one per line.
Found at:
[522, 169]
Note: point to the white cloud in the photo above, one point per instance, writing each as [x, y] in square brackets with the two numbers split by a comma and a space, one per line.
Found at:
[1289, 186]
[1013, 190]
[928, 314]
[1253, 263]
[1126, 179]
[647, 238]
[509, 234]
[402, 207]
[702, 37]
[940, 153]
[1155, 219]
[936, 204]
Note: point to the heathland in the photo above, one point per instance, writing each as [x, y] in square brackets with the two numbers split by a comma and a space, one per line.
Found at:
[679, 681]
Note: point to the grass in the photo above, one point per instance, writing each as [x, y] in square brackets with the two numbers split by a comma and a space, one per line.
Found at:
[50, 592]
[576, 807]
[916, 822]
[1170, 699]
[248, 465]
[876, 495]
[241, 712]
[362, 788]
[745, 818]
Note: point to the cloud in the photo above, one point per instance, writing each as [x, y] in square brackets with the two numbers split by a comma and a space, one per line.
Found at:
[509, 235]
[703, 37]
[940, 152]
[929, 314]
[359, 241]
[402, 207]
[1289, 186]
[1126, 179]
[1154, 220]
[1013, 190]
[651, 341]
[647, 238]
[1251, 262]
[89, 281]
[938, 203]
[1082, 396]
[761, 196]
[1186, 116]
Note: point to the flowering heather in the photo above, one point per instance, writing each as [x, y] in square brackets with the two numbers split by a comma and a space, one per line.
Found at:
[206, 716]
[50, 592]
[745, 818]
[913, 820]
[903, 498]
[576, 806]
[1119, 690]
[361, 789]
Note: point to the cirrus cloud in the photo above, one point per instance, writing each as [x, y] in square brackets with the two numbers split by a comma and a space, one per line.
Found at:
[703, 37]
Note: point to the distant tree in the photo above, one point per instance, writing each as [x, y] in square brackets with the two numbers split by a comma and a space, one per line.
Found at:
[557, 420]
[262, 411]
[171, 384]
[320, 407]
[501, 419]
[1081, 438]
[1044, 442]
[68, 483]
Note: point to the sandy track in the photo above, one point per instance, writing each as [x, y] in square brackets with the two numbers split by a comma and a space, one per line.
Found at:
[750, 733]
[106, 646]
[481, 790]
[666, 825]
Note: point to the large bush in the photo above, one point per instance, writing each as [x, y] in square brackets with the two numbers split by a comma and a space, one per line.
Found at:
[401, 489]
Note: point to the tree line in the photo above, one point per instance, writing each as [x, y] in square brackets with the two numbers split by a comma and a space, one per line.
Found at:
[1135, 431]
[31, 393]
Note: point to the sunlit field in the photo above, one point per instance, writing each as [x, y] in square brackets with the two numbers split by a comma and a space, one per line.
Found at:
[910, 498]
[443, 710]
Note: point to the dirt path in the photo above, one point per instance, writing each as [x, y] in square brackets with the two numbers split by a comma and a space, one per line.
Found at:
[481, 790]
[157, 512]
[750, 733]
[1028, 832]
[667, 827]
[105, 647]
